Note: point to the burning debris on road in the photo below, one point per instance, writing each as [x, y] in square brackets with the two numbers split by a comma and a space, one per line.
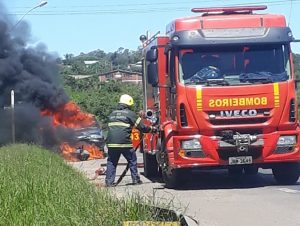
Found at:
[44, 115]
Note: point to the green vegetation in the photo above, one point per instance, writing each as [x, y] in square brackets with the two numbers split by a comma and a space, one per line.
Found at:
[92, 96]
[98, 98]
[297, 73]
[119, 59]
[297, 65]
[38, 188]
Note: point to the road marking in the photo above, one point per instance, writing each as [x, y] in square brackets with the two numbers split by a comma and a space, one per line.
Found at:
[288, 190]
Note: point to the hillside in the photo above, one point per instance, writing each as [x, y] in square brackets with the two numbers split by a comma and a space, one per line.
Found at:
[101, 62]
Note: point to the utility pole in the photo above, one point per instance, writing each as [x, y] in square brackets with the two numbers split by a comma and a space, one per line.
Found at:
[12, 105]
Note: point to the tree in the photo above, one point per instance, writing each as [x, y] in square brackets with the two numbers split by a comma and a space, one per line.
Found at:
[92, 96]
[68, 58]
[297, 65]
[120, 59]
[98, 98]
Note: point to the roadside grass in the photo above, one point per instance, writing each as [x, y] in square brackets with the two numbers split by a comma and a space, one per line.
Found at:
[38, 188]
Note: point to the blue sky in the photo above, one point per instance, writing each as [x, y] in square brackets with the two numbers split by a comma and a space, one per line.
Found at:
[74, 26]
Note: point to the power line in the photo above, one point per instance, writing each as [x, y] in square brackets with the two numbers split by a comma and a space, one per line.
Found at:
[161, 3]
[138, 10]
[129, 4]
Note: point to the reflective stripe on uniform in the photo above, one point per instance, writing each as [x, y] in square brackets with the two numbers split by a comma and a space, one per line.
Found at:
[119, 145]
[118, 124]
[137, 121]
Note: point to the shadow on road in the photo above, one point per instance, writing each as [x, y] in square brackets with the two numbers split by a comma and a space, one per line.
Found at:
[219, 179]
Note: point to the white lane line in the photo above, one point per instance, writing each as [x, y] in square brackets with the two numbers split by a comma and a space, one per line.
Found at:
[288, 190]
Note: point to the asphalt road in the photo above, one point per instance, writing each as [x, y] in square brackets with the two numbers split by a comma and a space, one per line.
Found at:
[216, 199]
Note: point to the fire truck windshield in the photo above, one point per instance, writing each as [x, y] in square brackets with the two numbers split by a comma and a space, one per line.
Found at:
[234, 65]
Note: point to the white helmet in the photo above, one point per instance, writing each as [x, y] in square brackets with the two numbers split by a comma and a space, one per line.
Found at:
[126, 99]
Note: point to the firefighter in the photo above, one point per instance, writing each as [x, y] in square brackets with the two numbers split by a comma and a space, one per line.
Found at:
[120, 124]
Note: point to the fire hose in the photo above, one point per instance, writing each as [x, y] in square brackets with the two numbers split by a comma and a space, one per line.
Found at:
[127, 166]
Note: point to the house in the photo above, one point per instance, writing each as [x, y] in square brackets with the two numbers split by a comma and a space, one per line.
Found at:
[81, 76]
[121, 75]
[88, 63]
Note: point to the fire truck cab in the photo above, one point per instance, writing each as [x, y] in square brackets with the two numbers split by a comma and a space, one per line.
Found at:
[221, 86]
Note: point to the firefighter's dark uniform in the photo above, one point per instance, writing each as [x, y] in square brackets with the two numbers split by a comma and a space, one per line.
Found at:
[120, 124]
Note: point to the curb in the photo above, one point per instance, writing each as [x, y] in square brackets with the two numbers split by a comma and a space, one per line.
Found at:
[175, 218]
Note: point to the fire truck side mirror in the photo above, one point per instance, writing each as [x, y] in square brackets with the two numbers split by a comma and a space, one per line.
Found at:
[152, 73]
[152, 54]
[167, 48]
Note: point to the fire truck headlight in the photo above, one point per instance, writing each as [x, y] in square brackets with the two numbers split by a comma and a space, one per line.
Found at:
[286, 140]
[190, 144]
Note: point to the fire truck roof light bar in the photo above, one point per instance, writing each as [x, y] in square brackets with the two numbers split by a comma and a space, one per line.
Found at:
[238, 36]
[230, 9]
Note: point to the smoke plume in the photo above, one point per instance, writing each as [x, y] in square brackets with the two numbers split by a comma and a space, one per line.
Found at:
[34, 76]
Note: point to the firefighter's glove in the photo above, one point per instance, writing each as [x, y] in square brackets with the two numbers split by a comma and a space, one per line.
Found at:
[154, 129]
[142, 114]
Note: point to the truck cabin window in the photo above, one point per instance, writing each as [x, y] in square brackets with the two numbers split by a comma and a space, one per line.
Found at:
[234, 65]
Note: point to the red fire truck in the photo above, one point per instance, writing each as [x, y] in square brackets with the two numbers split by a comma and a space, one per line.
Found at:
[221, 87]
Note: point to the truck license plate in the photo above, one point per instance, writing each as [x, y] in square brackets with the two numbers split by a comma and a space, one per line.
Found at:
[240, 160]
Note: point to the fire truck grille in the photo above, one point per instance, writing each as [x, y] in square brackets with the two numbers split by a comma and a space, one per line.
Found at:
[224, 154]
[241, 131]
[220, 118]
[238, 121]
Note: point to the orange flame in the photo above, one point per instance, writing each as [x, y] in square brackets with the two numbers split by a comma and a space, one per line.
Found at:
[70, 116]
[68, 151]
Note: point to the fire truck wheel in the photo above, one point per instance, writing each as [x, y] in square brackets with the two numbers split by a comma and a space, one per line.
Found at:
[235, 171]
[174, 178]
[287, 173]
[251, 170]
[150, 165]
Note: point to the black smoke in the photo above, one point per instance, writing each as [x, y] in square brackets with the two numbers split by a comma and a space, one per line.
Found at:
[33, 74]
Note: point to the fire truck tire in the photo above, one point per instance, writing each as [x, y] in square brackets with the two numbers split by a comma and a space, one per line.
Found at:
[150, 165]
[174, 178]
[287, 173]
[251, 170]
